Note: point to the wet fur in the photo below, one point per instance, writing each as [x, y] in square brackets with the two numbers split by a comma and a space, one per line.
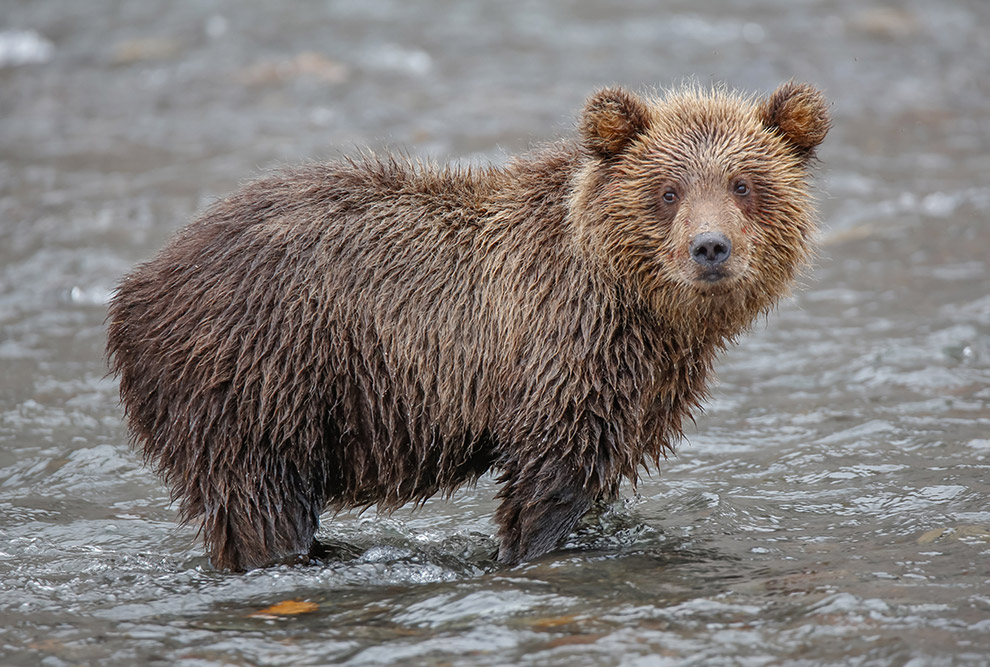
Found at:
[378, 331]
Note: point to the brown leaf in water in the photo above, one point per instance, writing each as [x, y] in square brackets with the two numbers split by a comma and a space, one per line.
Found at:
[286, 608]
[310, 63]
[146, 49]
[552, 622]
[965, 533]
[930, 536]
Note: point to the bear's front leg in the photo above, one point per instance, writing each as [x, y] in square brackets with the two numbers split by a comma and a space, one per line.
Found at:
[538, 512]
[546, 491]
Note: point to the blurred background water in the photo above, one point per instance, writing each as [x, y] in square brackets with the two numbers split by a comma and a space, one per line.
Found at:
[832, 506]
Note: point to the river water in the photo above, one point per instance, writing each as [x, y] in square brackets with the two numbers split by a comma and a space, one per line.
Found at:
[832, 505]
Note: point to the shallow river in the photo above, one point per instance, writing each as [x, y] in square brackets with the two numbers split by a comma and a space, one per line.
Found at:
[832, 505]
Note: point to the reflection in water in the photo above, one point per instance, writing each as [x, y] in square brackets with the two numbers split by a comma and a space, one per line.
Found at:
[832, 504]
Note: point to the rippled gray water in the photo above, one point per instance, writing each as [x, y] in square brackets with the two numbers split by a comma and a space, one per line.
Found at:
[832, 505]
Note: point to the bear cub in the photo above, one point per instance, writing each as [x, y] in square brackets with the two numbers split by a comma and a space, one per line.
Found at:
[376, 331]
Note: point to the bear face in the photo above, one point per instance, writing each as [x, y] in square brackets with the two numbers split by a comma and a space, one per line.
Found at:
[700, 195]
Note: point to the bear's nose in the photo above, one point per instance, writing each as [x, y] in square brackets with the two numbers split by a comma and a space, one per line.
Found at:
[710, 248]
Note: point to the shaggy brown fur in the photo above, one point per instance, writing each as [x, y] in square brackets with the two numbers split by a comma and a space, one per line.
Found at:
[378, 331]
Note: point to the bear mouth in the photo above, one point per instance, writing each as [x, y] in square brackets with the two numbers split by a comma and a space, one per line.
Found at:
[715, 282]
[712, 276]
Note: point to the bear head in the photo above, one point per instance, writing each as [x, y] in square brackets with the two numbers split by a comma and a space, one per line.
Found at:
[699, 195]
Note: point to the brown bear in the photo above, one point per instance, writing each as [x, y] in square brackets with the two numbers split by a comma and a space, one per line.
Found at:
[376, 331]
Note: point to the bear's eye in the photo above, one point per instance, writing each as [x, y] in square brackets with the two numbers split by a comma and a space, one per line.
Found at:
[741, 188]
[670, 196]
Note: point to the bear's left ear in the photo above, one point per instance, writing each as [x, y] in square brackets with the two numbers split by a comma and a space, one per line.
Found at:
[612, 118]
[799, 112]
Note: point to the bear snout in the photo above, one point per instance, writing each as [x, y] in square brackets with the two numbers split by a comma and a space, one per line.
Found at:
[711, 249]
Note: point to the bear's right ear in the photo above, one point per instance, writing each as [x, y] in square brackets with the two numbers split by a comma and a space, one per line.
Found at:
[800, 113]
[612, 117]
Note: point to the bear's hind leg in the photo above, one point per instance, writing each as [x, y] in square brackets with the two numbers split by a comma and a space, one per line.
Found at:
[261, 517]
